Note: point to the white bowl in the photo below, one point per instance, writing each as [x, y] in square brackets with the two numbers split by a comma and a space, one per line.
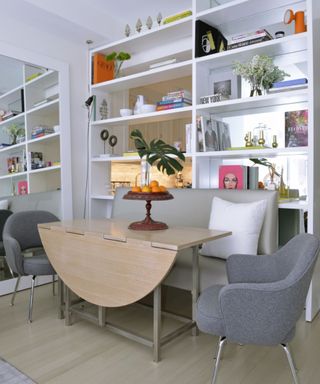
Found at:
[147, 108]
[125, 112]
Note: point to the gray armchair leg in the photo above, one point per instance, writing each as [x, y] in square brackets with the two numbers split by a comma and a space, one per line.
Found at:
[33, 280]
[221, 343]
[15, 290]
[291, 363]
[53, 286]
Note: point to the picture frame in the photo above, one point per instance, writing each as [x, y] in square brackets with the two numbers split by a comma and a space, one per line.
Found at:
[211, 134]
[224, 135]
[225, 84]
[200, 134]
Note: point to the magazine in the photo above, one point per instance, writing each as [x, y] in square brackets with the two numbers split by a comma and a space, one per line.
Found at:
[296, 128]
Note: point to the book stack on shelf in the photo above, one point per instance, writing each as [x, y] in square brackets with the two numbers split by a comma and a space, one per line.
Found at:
[176, 99]
[238, 177]
[283, 86]
[40, 131]
[244, 39]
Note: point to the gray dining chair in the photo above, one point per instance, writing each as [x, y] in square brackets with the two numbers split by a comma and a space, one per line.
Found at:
[4, 214]
[20, 235]
[263, 300]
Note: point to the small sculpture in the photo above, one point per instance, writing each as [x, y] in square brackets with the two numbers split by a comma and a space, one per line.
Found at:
[139, 25]
[149, 22]
[104, 134]
[159, 18]
[104, 111]
[261, 140]
[248, 139]
[274, 141]
[127, 30]
[113, 142]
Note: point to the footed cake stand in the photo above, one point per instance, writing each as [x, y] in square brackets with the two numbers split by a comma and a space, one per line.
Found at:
[148, 224]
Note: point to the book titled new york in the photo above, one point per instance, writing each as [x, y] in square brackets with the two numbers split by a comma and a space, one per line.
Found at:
[233, 177]
[171, 106]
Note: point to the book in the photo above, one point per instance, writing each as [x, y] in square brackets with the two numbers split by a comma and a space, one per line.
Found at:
[289, 83]
[175, 100]
[200, 134]
[296, 128]
[171, 106]
[248, 36]
[208, 40]
[253, 178]
[248, 42]
[288, 88]
[22, 187]
[188, 138]
[178, 94]
[177, 16]
[102, 69]
[233, 176]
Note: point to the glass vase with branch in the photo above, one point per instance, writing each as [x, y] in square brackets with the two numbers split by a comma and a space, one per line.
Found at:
[271, 169]
[118, 58]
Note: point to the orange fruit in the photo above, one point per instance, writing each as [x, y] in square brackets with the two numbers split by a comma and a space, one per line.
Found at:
[155, 189]
[162, 188]
[136, 189]
[154, 183]
[146, 188]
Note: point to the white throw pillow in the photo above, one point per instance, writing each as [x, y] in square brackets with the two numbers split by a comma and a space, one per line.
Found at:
[243, 219]
[4, 204]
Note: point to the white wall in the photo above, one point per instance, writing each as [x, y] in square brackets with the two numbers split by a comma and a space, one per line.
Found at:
[30, 38]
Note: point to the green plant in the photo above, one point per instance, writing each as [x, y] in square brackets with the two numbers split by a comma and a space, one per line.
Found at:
[266, 163]
[260, 72]
[15, 131]
[158, 152]
[118, 59]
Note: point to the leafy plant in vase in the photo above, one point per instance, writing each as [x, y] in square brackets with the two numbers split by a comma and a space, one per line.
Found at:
[15, 131]
[272, 171]
[118, 59]
[158, 153]
[260, 72]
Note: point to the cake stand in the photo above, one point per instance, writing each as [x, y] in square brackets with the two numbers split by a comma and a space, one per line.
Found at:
[148, 224]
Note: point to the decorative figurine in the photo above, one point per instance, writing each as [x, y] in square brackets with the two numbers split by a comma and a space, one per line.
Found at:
[139, 25]
[274, 141]
[112, 142]
[104, 111]
[298, 18]
[261, 140]
[127, 30]
[248, 139]
[149, 22]
[159, 18]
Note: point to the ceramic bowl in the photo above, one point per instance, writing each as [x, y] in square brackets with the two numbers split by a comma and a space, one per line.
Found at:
[147, 108]
[125, 112]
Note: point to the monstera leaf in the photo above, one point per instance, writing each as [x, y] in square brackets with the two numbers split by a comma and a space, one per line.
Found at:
[159, 153]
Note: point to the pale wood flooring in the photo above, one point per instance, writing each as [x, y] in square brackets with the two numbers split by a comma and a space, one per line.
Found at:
[51, 353]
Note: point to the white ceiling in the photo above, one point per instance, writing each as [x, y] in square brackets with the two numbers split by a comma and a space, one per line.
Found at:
[80, 20]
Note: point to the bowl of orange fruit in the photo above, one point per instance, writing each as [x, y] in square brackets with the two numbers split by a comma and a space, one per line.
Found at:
[152, 191]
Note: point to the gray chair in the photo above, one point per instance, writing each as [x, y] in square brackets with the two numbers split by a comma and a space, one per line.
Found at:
[21, 234]
[263, 300]
[4, 214]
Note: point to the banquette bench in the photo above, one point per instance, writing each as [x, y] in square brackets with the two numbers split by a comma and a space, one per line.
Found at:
[192, 208]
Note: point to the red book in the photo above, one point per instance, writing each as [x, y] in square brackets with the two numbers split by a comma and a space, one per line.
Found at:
[232, 177]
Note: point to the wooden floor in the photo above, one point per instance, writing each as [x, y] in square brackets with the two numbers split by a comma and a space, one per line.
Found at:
[49, 352]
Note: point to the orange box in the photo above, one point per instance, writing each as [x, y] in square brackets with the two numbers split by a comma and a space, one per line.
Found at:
[103, 69]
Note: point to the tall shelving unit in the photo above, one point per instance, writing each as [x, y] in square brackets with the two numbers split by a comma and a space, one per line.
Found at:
[294, 53]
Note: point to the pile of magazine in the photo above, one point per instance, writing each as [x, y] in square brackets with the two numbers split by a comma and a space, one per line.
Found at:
[244, 39]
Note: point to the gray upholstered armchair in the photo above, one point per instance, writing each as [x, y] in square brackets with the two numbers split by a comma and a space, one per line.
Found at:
[4, 214]
[263, 300]
[21, 234]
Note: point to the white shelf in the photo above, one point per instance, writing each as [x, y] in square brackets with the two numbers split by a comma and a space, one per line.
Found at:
[247, 105]
[165, 73]
[40, 78]
[42, 109]
[12, 147]
[276, 47]
[142, 118]
[13, 175]
[44, 138]
[11, 95]
[13, 119]
[46, 169]
[102, 197]
[297, 204]
[247, 153]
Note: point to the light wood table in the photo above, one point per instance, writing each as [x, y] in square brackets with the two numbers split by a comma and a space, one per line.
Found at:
[109, 265]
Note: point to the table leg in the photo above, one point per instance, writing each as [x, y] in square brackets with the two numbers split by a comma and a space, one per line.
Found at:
[195, 286]
[101, 316]
[156, 323]
[60, 298]
[67, 307]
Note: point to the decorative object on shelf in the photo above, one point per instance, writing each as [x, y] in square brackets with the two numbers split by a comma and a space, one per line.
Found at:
[296, 128]
[226, 84]
[283, 86]
[260, 72]
[149, 22]
[125, 112]
[248, 38]
[138, 25]
[211, 134]
[262, 135]
[113, 142]
[179, 180]
[104, 135]
[274, 141]
[261, 140]
[233, 177]
[159, 18]
[210, 99]
[248, 139]
[208, 40]
[15, 131]
[127, 30]
[298, 18]
[118, 59]
[279, 34]
[103, 69]
[104, 110]
[177, 16]
[271, 169]
[283, 189]
[139, 103]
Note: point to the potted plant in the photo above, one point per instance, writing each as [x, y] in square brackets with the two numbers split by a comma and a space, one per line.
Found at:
[260, 72]
[15, 131]
[156, 152]
[118, 59]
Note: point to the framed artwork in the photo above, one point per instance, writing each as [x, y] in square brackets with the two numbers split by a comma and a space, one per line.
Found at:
[232, 177]
[226, 84]
[224, 136]
[200, 134]
[22, 187]
[211, 134]
[208, 40]
[296, 128]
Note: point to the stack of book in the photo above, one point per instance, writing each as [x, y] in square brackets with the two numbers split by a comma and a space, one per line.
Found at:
[176, 99]
[41, 131]
[244, 39]
[286, 85]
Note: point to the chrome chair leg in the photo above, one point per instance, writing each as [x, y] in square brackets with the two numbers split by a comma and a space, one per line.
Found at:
[221, 343]
[15, 290]
[33, 280]
[53, 286]
[291, 363]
